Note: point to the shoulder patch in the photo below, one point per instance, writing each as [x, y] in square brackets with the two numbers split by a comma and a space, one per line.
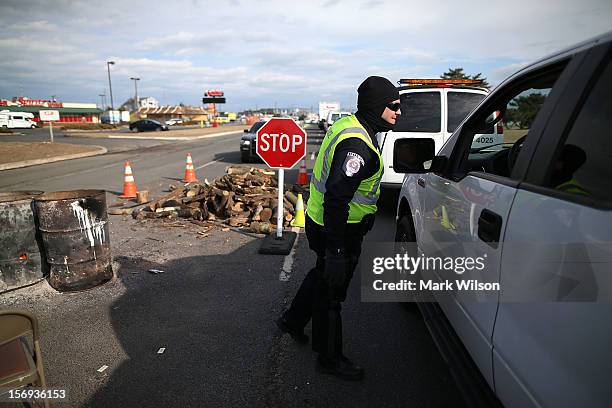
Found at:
[352, 164]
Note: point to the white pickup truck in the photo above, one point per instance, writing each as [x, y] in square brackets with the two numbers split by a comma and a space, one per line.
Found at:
[540, 210]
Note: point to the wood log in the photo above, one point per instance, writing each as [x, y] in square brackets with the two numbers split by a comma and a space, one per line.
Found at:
[199, 197]
[142, 196]
[261, 227]
[291, 197]
[257, 212]
[238, 207]
[148, 214]
[237, 221]
[187, 212]
[171, 196]
[265, 214]
[166, 209]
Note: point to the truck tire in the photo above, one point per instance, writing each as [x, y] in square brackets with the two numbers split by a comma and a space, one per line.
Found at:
[405, 242]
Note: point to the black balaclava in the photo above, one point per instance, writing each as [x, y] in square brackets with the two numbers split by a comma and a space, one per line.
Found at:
[374, 94]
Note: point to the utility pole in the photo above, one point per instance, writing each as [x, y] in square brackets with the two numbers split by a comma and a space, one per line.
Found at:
[110, 87]
[136, 104]
[103, 102]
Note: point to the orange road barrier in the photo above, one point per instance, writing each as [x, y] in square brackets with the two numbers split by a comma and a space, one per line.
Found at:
[129, 186]
[302, 175]
[190, 174]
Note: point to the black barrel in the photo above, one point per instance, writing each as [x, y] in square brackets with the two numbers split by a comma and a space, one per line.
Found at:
[76, 239]
[20, 260]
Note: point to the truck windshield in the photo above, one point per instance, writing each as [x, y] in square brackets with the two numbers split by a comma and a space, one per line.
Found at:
[459, 105]
[420, 112]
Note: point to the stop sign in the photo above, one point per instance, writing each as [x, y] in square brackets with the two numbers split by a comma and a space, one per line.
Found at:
[281, 143]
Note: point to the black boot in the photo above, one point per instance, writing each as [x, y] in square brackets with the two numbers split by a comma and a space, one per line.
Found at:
[297, 334]
[339, 366]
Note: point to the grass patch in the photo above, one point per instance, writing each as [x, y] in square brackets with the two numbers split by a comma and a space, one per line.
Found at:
[5, 130]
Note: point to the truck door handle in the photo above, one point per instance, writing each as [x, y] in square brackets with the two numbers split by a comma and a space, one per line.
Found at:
[489, 227]
[421, 182]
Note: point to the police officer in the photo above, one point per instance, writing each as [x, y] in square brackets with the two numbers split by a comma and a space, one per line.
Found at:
[344, 189]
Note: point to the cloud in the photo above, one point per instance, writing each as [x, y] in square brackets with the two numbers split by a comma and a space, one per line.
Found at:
[272, 50]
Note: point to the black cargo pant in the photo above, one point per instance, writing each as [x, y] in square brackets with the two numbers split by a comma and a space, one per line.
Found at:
[314, 298]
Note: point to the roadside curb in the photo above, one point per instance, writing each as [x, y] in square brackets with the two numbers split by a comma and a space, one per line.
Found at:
[26, 163]
[171, 138]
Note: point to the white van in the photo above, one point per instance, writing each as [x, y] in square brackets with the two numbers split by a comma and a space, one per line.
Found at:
[433, 108]
[16, 120]
[333, 116]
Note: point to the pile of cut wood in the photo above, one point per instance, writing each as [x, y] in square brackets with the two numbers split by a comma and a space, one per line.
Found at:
[244, 197]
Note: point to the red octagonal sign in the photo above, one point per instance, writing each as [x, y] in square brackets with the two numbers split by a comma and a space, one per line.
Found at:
[281, 143]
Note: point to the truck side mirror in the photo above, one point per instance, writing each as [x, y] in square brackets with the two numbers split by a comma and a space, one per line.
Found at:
[410, 155]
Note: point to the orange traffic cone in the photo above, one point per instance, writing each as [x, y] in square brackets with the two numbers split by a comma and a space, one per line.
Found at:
[129, 186]
[190, 175]
[302, 175]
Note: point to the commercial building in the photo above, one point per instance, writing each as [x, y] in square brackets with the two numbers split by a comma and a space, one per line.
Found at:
[187, 113]
[148, 102]
[68, 111]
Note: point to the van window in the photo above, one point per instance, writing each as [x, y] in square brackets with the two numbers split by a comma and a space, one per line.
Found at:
[459, 105]
[582, 165]
[17, 117]
[420, 112]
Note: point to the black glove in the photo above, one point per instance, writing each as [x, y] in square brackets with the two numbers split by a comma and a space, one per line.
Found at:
[367, 223]
[335, 269]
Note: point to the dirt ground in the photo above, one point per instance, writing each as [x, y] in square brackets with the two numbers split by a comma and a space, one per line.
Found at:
[18, 151]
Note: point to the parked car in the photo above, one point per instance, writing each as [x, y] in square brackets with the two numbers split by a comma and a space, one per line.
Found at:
[539, 210]
[174, 121]
[147, 125]
[432, 108]
[248, 142]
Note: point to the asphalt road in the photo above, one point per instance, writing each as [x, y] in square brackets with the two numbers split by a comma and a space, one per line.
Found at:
[213, 309]
[113, 145]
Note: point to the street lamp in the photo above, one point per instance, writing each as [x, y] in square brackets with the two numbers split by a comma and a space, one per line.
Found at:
[110, 87]
[136, 105]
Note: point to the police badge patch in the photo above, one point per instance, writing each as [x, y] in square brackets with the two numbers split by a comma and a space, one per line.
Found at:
[352, 164]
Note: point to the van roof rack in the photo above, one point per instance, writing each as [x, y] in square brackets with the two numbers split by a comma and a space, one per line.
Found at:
[443, 82]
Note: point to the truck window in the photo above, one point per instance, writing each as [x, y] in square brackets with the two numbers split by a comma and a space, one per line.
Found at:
[582, 166]
[420, 112]
[459, 105]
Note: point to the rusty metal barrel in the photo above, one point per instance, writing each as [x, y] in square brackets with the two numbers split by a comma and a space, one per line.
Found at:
[20, 260]
[76, 239]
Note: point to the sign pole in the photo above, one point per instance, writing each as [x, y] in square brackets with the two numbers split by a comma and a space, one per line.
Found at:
[280, 206]
[51, 130]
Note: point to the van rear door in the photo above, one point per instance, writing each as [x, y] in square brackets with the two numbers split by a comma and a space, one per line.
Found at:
[421, 117]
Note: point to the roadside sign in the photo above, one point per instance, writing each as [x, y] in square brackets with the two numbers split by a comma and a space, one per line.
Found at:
[281, 143]
[49, 115]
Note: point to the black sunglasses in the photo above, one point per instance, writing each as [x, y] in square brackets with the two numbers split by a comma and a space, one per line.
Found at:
[394, 106]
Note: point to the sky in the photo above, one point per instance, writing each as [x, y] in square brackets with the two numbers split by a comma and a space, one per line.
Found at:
[271, 53]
